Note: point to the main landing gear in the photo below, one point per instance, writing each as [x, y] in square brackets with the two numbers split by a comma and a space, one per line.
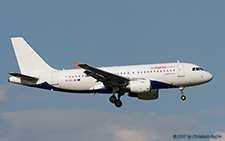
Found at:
[183, 97]
[118, 103]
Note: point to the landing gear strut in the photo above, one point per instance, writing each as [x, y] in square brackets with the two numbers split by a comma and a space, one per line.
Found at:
[183, 97]
[118, 103]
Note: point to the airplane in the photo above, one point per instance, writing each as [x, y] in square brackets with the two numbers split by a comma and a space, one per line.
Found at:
[139, 81]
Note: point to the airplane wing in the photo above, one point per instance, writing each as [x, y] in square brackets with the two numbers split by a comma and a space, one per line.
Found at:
[108, 79]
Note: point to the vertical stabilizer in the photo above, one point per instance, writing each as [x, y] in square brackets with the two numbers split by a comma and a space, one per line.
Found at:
[29, 61]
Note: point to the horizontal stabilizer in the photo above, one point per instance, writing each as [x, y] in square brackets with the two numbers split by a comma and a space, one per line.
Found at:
[24, 76]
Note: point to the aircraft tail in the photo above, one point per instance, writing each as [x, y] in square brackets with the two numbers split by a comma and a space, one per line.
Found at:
[29, 61]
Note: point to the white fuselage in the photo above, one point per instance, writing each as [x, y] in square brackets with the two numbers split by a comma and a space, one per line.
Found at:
[167, 75]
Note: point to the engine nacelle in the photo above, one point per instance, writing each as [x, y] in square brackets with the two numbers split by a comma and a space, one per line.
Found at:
[140, 86]
[153, 94]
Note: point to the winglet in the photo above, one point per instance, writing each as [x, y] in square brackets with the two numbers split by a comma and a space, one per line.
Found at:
[76, 64]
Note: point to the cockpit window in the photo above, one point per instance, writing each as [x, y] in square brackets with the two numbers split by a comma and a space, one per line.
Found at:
[197, 69]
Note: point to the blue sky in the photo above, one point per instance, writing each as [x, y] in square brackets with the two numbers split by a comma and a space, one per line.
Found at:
[109, 33]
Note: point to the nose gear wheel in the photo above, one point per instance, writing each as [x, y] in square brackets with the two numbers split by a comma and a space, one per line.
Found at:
[183, 97]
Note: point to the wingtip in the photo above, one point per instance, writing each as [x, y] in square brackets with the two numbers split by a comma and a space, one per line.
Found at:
[12, 38]
[76, 64]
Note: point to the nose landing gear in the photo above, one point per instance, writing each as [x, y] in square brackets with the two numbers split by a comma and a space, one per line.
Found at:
[183, 97]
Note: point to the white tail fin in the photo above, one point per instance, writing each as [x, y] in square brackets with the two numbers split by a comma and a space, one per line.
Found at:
[29, 61]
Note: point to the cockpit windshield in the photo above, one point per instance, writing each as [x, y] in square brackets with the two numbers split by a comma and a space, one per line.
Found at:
[197, 69]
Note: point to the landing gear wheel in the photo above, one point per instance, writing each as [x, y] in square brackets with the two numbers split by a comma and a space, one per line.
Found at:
[183, 97]
[182, 93]
[112, 99]
[118, 103]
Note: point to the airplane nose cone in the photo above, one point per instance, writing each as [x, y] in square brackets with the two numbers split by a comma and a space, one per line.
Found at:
[209, 76]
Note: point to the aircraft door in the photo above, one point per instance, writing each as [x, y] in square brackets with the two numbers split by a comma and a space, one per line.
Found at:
[55, 78]
[180, 69]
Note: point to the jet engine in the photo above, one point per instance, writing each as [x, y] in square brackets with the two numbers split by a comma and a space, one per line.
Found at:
[140, 86]
[153, 94]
